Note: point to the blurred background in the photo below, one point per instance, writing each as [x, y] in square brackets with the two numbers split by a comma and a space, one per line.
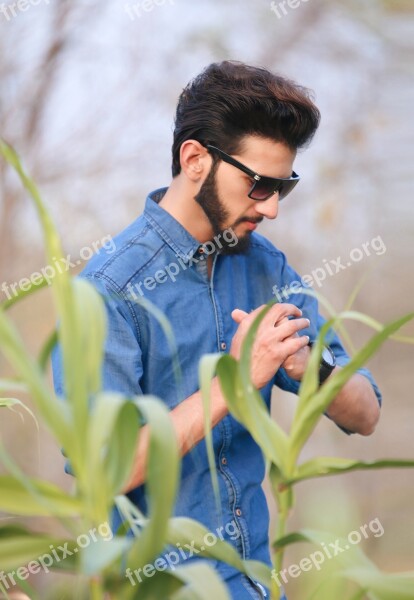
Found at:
[87, 97]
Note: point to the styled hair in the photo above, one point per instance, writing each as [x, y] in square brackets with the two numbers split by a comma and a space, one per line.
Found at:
[230, 100]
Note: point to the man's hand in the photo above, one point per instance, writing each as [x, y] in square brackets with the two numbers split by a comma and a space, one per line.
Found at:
[276, 340]
[295, 365]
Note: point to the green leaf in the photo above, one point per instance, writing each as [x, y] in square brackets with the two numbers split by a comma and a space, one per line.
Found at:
[112, 435]
[162, 472]
[55, 414]
[46, 350]
[182, 530]
[312, 406]
[203, 581]
[318, 467]
[207, 369]
[19, 546]
[347, 557]
[12, 402]
[102, 553]
[246, 403]
[37, 498]
[22, 294]
[385, 586]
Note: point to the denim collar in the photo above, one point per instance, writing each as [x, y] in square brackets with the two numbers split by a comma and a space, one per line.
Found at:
[171, 231]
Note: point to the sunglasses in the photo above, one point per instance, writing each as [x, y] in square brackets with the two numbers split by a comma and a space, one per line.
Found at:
[263, 187]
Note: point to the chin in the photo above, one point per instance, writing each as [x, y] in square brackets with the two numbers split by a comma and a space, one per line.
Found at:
[242, 246]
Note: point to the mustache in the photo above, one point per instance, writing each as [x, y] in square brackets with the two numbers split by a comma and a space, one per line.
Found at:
[251, 220]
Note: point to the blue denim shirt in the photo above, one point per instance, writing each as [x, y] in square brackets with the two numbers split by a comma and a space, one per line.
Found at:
[158, 259]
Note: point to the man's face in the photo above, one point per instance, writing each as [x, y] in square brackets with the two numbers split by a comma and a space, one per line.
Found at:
[223, 195]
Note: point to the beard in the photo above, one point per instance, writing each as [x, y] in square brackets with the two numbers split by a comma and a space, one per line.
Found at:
[209, 200]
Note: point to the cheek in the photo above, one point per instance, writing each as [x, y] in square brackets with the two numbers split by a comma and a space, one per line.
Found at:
[234, 190]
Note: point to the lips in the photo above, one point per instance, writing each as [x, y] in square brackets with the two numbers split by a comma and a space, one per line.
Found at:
[250, 225]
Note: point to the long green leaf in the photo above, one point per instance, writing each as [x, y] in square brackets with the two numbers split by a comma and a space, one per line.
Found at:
[207, 370]
[37, 498]
[19, 546]
[22, 294]
[162, 472]
[182, 530]
[112, 436]
[55, 414]
[308, 413]
[14, 402]
[318, 467]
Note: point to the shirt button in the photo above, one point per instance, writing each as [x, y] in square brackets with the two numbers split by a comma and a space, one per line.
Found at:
[223, 345]
[224, 461]
[201, 250]
[238, 512]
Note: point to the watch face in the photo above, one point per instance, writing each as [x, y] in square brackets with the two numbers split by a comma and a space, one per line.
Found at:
[327, 356]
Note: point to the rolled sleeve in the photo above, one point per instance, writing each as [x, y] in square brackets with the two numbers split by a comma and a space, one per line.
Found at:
[310, 310]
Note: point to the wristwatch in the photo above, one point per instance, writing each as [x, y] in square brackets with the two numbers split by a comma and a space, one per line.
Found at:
[327, 364]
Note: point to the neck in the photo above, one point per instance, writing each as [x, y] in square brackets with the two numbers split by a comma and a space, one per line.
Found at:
[180, 203]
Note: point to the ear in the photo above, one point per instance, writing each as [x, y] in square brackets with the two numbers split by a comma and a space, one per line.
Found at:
[195, 160]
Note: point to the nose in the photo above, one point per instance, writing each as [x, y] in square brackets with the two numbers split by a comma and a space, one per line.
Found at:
[268, 208]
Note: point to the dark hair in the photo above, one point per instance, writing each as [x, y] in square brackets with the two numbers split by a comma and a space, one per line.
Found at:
[229, 100]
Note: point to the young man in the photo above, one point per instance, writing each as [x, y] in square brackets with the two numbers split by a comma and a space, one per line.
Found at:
[194, 253]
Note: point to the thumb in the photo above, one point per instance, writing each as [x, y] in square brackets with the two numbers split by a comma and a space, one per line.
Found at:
[238, 315]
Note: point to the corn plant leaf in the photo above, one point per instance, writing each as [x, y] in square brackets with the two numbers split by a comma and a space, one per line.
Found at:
[383, 586]
[162, 473]
[318, 467]
[39, 498]
[46, 350]
[188, 532]
[12, 385]
[203, 582]
[20, 294]
[246, 403]
[54, 413]
[267, 433]
[69, 331]
[311, 407]
[191, 582]
[19, 546]
[112, 434]
[330, 548]
[15, 402]
[100, 554]
[207, 369]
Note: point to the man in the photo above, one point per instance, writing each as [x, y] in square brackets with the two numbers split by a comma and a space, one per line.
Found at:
[194, 253]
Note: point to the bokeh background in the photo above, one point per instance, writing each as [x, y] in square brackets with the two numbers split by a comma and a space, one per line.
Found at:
[87, 96]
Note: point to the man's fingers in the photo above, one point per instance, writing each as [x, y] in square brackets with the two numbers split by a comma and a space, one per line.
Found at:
[238, 315]
[281, 311]
[277, 313]
[293, 345]
[289, 328]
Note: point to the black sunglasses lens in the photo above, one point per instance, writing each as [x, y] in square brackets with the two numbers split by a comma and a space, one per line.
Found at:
[264, 188]
[287, 187]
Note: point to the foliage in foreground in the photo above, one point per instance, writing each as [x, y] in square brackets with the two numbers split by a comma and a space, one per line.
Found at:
[99, 432]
